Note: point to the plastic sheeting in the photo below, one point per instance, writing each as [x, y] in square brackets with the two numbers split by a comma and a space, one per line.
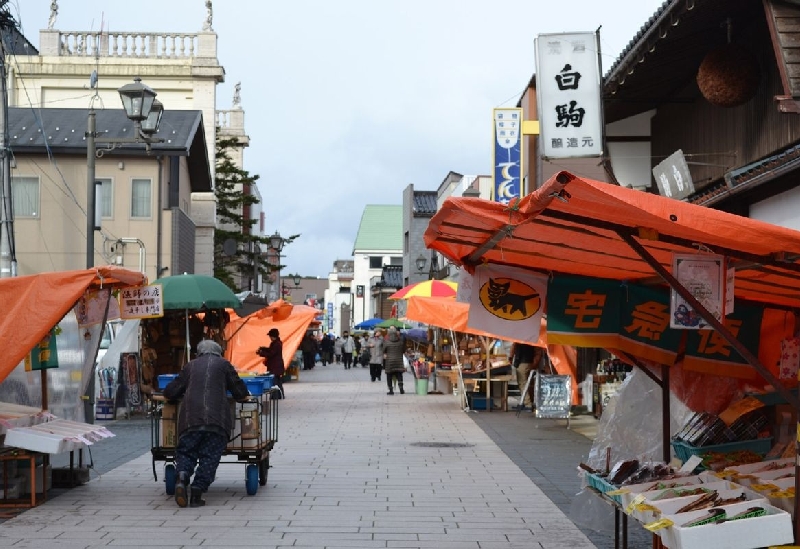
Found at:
[631, 423]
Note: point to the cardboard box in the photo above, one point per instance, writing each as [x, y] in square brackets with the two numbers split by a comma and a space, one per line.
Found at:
[168, 433]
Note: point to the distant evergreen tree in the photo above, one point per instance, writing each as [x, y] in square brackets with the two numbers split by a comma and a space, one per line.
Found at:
[233, 195]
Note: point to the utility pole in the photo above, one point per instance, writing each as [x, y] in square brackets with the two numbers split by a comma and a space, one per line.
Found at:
[91, 131]
[8, 259]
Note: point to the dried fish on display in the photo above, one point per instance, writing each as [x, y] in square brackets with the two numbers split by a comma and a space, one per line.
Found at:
[714, 515]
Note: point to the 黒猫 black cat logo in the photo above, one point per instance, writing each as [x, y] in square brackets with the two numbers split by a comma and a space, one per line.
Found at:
[510, 299]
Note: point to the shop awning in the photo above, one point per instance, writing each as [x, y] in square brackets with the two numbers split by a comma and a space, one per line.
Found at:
[581, 227]
[33, 304]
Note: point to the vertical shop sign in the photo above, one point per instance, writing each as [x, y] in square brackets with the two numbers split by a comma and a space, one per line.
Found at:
[44, 355]
[568, 95]
[507, 171]
[673, 178]
[330, 315]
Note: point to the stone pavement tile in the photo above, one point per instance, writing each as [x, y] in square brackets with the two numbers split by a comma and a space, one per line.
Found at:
[351, 468]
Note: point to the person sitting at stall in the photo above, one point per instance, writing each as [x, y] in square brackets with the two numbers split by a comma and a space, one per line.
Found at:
[525, 358]
[204, 419]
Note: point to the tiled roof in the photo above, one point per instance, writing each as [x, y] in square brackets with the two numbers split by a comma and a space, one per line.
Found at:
[16, 44]
[381, 229]
[63, 131]
[424, 203]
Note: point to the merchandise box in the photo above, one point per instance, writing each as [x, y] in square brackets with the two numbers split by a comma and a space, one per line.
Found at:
[775, 528]
[630, 491]
[653, 498]
[672, 506]
[739, 473]
[783, 497]
[168, 433]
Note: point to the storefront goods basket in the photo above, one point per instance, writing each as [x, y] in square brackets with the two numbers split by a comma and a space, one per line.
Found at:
[684, 451]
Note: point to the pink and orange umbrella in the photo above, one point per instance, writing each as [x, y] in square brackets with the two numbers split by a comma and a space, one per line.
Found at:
[427, 288]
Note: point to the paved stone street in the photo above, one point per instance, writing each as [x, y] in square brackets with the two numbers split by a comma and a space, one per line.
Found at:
[353, 467]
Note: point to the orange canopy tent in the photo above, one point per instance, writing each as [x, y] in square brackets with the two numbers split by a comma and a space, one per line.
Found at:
[34, 304]
[452, 314]
[246, 334]
[588, 228]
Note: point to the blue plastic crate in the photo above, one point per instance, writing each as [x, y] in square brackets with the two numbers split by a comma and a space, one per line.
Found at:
[255, 385]
[684, 451]
[164, 379]
[268, 379]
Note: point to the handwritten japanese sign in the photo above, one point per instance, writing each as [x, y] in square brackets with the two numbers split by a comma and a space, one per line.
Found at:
[568, 95]
[141, 302]
[507, 171]
[553, 396]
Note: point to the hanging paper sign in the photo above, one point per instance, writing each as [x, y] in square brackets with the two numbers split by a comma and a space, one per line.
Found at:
[508, 302]
[465, 281]
[44, 355]
[705, 276]
[91, 308]
[142, 302]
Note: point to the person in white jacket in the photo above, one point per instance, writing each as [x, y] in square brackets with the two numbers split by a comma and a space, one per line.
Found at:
[348, 346]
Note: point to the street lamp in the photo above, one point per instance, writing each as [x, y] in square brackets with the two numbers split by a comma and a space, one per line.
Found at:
[296, 279]
[139, 102]
[420, 263]
[276, 242]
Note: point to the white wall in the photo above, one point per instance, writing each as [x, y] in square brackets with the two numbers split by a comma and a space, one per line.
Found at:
[631, 159]
[779, 210]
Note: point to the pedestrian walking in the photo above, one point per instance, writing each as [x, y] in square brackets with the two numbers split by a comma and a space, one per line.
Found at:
[204, 419]
[348, 346]
[326, 349]
[309, 348]
[525, 358]
[375, 347]
[394, 347]
[337, 349]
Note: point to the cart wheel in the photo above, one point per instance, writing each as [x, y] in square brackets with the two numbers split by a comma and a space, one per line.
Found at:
[170, 478]
[251, 479]
[263, 469]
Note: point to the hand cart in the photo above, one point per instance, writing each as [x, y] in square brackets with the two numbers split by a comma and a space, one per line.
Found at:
[254, 434]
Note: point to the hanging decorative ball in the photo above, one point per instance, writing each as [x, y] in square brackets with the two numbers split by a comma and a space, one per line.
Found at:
[729, 76]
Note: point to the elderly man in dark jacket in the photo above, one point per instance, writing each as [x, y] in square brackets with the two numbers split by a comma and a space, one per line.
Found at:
[204, 419]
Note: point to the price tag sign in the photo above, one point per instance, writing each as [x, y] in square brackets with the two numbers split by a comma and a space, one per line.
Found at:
[691, 464]
[659, 525]
[634, 502]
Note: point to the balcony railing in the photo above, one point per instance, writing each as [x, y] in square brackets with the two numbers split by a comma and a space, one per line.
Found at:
[151, 45]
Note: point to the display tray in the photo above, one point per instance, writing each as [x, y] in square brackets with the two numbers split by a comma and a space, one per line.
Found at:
[775, 528]
[603, 486]
[684, 451]
[654, 510]
[630, 491]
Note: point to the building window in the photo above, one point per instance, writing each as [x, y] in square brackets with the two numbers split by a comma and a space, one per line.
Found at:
[395, 260]
[375, 261]
[25, 196]
[106, 198]
[140, 198]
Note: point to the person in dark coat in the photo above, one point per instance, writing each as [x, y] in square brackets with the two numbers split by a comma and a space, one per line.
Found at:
[394, 346]
[326, 349]
[309, 348]
[273, 358]
[204, 419]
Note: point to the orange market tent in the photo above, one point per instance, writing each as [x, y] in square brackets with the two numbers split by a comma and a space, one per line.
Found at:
[244, 335]
[451, 314]
[34, 304]
[588, 228]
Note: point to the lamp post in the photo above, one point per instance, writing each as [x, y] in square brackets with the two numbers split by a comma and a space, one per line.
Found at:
[139, 102]
[296, 279]
[276, 242]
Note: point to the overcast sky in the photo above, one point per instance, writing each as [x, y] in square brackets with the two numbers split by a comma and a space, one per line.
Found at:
[349, 101]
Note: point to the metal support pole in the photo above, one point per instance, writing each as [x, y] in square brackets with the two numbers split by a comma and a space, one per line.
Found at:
[91, 130]
[7, 258]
